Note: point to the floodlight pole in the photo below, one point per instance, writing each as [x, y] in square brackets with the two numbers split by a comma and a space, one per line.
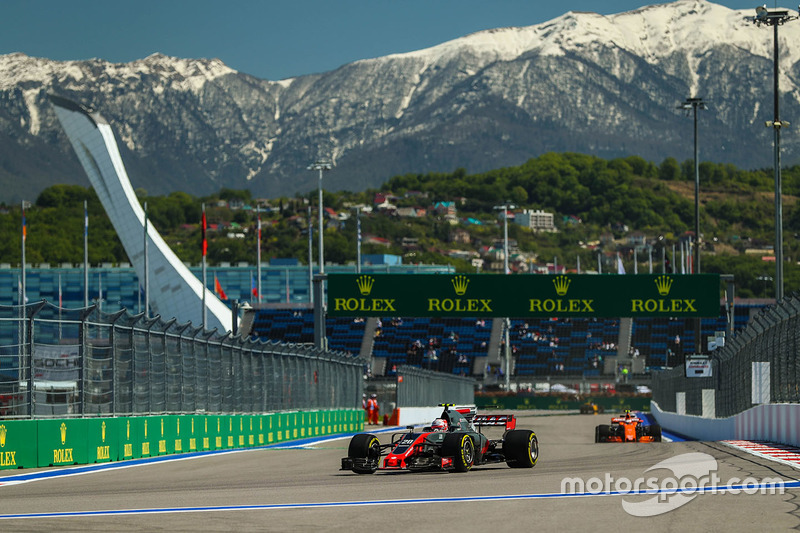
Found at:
[776, 18]
[694, 104]
[505, 207]
[310, 257]
[505, 240]
[507, 321]
[321, 166]
[358, 240]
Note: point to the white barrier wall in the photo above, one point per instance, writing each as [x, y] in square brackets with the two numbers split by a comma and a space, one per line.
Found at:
[418, 416]
[412, 416]
[692, 426]
[771, 422]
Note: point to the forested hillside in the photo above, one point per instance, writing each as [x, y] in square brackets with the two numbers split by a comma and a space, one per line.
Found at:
[598, 205]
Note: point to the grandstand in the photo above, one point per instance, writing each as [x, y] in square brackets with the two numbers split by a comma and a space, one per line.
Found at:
[573, 347]
[462, 346]
[116, 287]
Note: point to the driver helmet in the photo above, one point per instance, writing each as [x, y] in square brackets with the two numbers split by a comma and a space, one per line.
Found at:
[440, 424]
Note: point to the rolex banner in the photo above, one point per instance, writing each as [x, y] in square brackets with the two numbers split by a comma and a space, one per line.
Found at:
[488, 295]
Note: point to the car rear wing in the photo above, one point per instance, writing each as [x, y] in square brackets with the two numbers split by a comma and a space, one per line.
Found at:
[467, 411]
[620, 419]
[495, 420]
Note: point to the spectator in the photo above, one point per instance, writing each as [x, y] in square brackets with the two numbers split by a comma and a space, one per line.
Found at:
[372, 409]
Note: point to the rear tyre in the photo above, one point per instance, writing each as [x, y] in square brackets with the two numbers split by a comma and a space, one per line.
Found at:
[521, 448]
[602, 432]
[460, 447]
[365, 451]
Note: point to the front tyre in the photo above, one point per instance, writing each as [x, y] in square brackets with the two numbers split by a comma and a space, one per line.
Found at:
[521, 448]
[460, 447]
[655, 431]
[602, 433]
[365, 451]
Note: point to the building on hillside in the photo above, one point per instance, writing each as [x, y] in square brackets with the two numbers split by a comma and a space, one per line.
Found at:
[445, 209]
[536, 220]
[499, 244]
[409, 243]
[637, 239]
[382, 259]
[460, 235]
[415, 194]
[386, 207]
[410, 212]
[372, 239]
[466, 255]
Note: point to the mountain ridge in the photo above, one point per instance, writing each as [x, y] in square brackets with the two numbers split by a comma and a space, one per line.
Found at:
[605, 85]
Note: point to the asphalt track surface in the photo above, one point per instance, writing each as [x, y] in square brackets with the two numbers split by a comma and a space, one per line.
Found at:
[303, 489]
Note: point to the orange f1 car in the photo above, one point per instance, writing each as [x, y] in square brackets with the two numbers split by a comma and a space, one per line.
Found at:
[627, 428]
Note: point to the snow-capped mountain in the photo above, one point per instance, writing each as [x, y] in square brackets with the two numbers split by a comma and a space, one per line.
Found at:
[583, 82]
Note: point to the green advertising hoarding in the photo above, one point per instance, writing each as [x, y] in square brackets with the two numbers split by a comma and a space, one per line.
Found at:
[128, 439]
[535, 295]
[62, 442]
[18, 439]
[103, 439]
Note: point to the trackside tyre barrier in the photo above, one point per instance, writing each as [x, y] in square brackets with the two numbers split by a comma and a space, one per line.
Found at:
[69, 441]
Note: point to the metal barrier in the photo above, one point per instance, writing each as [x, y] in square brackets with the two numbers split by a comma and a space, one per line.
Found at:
[424, 388]
[761, 364]
[81, 363]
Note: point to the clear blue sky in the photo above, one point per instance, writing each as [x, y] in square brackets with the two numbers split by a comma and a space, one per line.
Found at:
[269, 39]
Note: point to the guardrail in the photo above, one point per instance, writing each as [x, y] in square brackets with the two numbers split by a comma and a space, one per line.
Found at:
[760, 365]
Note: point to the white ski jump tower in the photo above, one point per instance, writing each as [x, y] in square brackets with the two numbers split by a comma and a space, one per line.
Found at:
[174, 290]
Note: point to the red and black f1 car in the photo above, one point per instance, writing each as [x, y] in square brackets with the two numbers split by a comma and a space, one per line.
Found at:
[627, 428]
[453, 442]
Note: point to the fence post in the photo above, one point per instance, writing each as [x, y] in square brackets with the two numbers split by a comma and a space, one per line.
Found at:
[35, 308]
[112, 342]
[148, 332]
[27, 346]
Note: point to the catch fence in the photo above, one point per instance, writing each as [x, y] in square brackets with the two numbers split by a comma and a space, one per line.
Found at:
[760, 364]
[81, 363]
[417, 387]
